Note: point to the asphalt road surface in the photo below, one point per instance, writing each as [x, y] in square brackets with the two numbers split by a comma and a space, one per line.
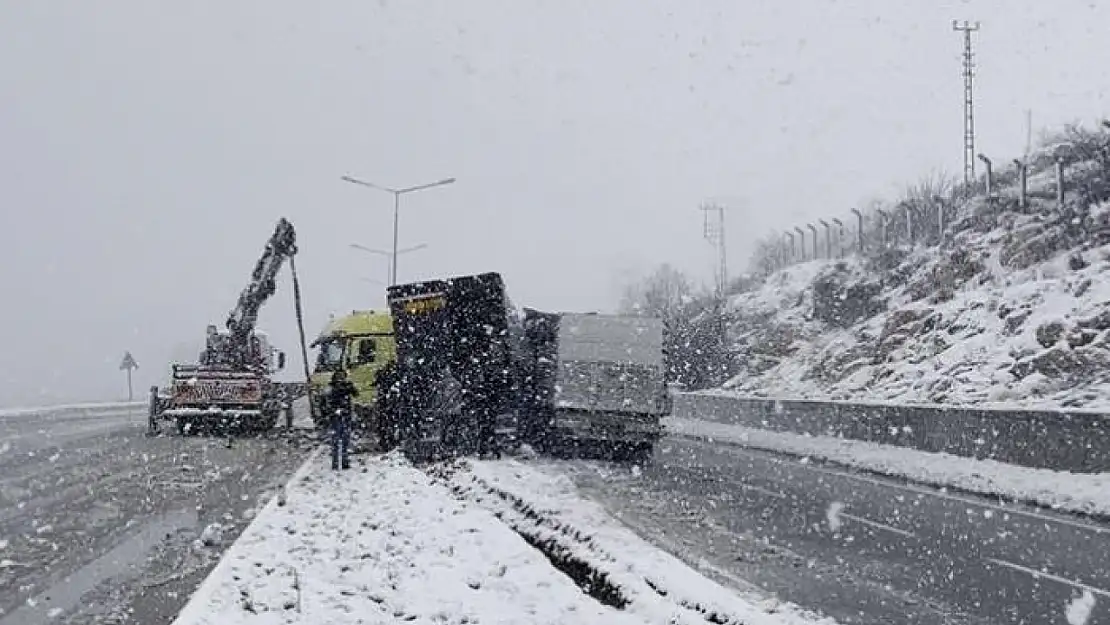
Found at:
[101, 524]
[853, 546]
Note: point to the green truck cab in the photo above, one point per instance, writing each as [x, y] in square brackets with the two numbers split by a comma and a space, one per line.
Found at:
[362, 343]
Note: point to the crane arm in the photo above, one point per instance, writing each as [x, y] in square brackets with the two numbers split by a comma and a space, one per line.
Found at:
[241, 322]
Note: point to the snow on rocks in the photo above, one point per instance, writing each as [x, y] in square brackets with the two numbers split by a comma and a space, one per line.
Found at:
[1086, 493]
[1014, 311]
[543, 505]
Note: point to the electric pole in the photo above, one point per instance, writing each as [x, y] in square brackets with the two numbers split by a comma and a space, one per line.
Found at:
[715, 234]
[969, 100]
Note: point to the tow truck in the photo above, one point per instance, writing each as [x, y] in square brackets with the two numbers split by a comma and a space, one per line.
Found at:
[231, 385]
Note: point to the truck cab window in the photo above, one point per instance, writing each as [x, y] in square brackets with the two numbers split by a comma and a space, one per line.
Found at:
[330, 356]
[367, 349]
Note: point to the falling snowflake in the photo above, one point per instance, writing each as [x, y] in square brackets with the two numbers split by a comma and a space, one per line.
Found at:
[832, 515]
[1079, 610]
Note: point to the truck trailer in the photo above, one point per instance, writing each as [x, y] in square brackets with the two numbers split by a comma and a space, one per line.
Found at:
[455, 380]
[474, 376]
[596, 382]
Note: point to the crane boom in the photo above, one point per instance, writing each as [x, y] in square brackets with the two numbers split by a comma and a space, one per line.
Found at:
[237, 348]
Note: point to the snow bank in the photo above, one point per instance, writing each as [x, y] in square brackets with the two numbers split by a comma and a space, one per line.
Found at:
[658, 587]
[382, 543]
[1015, 316]
[1009, 308]
[1073, 492]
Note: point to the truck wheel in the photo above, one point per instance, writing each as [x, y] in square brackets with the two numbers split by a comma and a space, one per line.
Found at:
[633, 453]
[641, 453]
[268, 421]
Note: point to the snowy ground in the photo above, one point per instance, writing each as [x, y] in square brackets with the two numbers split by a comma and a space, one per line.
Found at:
[1072, 492]
[101, 523]
[1012, 311]
[960, 351]
[543, 503]
[455, 544]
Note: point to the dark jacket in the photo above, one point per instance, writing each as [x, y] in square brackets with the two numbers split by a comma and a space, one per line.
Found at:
[340, 393]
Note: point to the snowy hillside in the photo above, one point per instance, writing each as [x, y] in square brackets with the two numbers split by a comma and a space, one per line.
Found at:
[1013, 308]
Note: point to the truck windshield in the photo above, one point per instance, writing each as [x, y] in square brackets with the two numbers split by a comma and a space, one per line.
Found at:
[331, 355]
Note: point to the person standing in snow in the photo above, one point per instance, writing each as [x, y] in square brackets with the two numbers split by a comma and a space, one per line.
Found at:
[339, 394]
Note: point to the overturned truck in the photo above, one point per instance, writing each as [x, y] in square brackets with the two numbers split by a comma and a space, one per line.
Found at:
[473, 376]
[456, 376]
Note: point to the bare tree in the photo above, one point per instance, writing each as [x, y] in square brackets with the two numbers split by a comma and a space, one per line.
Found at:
[767, 257]
[661, 294]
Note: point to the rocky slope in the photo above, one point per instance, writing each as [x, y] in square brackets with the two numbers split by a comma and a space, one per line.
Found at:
[1013, 307]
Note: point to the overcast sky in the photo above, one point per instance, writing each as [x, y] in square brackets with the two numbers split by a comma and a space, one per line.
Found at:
[148, 148]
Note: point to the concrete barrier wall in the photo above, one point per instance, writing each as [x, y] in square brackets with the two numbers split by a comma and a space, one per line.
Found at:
[1077, 441]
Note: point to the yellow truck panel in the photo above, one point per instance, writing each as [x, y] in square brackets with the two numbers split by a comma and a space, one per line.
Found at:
[362, 343]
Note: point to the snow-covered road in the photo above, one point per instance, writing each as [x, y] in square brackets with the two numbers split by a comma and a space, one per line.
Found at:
[859, 547]
[101, 524]
[467, 542]
[98, 521]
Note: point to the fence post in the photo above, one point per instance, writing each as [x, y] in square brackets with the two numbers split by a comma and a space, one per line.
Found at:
[939, 201]
[828, 238]
[152, 415]
[813, 228]
[839, 237]
[1023, 182]
[884, 221]
[1059, 184]
[859, 232]
[801, 242]
[989, 185]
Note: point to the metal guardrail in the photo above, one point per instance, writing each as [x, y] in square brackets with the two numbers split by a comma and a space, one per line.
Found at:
[1077, 441]
[90, 409]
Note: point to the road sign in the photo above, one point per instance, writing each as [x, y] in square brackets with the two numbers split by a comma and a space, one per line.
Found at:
[129, 364]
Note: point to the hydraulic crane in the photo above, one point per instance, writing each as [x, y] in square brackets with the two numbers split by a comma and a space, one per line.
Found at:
[231, 384]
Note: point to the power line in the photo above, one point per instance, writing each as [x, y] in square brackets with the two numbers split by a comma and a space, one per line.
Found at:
[969, 99]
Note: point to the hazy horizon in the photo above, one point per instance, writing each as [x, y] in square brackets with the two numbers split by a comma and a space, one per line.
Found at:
[149, 150]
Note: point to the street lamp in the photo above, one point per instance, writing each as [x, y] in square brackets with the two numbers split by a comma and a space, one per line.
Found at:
[391, 273]
[397, 193]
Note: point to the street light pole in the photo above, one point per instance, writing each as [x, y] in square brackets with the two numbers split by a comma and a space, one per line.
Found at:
[396, 216]
[397, 193]
[390, 264]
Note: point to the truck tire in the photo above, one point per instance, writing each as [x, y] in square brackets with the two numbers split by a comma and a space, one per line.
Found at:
[388, 424]
[634, 453]
[268, 421]
[641, 453]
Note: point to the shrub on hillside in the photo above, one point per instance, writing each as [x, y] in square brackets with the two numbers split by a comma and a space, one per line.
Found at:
[840, 299]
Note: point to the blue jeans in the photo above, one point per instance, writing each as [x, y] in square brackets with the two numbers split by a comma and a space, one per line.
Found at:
[340, 441]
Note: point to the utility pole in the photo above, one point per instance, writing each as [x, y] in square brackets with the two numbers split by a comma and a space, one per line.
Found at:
[715, 234]
[1028, 134]
[969, 100]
